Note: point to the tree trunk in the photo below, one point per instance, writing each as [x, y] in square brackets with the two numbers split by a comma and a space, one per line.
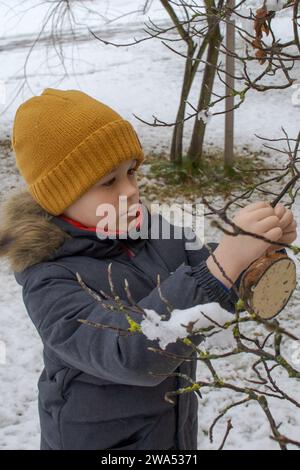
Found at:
[196, 145]
[191, 66]
[176, 146]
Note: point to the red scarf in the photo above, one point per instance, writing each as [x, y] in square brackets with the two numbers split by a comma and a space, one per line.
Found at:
[94, 229]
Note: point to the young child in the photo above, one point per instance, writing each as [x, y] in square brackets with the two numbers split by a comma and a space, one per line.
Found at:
[98, 389]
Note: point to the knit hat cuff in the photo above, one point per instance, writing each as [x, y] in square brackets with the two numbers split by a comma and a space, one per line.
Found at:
[97, 155]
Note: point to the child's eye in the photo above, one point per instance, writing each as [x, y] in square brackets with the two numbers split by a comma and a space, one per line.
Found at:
[110, 182]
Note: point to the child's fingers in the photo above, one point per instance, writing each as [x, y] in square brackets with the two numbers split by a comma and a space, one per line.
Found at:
[286, 219]
[274, 234]
[262, 213]
[256, 205]
[289, 237]
[279, 210]
[267, 224]
[290, 227]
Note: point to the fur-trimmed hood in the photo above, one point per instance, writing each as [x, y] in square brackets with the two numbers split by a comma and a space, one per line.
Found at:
[27, 235]
[30, 235]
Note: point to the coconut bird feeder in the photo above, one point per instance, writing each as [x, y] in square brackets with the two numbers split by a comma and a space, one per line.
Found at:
[268, 283]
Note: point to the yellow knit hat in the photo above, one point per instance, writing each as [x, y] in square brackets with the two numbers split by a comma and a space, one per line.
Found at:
[65, 141]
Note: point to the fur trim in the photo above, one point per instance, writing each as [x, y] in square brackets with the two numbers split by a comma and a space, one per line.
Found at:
[27, 235]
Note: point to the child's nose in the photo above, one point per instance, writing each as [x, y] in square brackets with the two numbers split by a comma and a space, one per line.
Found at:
[129, 190]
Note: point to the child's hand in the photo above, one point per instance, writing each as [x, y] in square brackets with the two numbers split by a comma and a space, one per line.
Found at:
[260, 218]
[235, 253]
[288, 225]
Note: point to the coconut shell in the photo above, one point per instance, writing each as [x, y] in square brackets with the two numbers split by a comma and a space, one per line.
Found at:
[267, 284]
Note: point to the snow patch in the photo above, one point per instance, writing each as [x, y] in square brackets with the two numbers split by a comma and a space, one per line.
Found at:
[168, 331]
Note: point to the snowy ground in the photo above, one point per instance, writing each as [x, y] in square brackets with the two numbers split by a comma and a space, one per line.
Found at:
[143, 80]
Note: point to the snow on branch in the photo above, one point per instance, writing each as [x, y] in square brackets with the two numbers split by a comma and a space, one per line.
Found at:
[168, 331]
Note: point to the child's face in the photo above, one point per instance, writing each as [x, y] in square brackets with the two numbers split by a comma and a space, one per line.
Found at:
[120, 182]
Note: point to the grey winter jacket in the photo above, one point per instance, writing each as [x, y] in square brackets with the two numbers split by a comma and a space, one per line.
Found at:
[98, 389]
